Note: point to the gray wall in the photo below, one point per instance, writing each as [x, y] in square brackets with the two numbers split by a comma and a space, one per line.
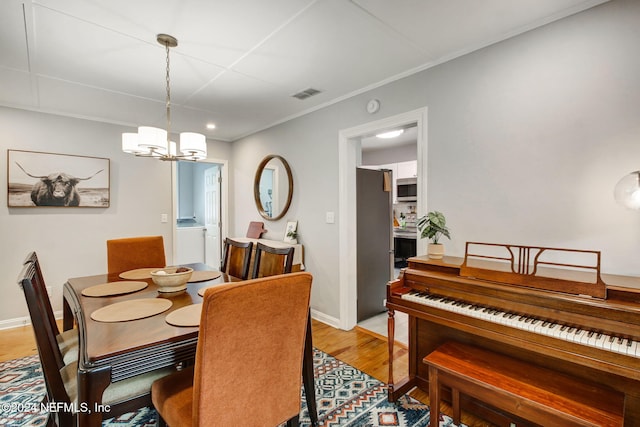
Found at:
[526, 140]
[384, 156]
[71, 241]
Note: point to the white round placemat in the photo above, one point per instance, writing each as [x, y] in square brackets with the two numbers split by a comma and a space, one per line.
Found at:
[131, 310]
[185, 316]
[114, 288]
[203, 276]
[138, 273]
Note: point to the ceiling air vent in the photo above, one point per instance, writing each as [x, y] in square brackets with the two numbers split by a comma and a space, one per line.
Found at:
[304, 94]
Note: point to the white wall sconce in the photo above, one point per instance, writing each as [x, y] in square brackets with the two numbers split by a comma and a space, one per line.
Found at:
[627, 191]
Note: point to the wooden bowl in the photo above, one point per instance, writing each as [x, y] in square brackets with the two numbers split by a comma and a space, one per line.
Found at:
[169, 281]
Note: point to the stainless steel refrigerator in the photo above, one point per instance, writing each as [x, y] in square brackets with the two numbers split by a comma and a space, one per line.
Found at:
[375, 239]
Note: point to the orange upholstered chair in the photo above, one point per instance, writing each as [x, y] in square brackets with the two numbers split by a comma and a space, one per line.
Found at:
[248, 360]
[269, 261]
[135, 252]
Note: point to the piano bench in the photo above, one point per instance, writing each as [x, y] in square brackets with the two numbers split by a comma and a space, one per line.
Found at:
[526, 391]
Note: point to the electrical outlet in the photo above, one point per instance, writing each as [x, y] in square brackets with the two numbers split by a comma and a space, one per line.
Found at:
[330, 218]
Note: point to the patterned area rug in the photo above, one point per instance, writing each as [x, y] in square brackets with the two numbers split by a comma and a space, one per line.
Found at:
[345, 396]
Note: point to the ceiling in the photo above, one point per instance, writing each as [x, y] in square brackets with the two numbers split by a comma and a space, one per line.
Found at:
[238, 61]
[407, 137]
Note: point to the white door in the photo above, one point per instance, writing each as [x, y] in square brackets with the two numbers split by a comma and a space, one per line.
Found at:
[212, 224]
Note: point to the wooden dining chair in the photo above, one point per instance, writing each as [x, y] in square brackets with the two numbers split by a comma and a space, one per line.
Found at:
[61, 378]
[270, 261]
[135, 252]
[236, 258]
[248, 359]
[66, 342]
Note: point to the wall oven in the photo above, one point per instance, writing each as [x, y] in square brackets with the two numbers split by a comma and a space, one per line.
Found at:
[407, 189]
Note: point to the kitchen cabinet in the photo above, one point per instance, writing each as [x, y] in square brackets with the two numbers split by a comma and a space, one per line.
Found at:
[407, 169]
[190, 245]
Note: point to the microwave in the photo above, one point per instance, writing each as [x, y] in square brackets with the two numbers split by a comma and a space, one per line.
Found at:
[407, 189]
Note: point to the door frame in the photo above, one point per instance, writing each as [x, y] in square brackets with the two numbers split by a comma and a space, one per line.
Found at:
[224, 201]
[350, 157]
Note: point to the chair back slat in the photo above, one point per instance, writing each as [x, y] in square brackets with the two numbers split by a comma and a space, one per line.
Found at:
[48, 350]
[269, 261]
[41, 290]
[236, 258]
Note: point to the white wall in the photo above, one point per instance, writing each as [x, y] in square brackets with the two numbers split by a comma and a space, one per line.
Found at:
[527, 139]
[71, 241]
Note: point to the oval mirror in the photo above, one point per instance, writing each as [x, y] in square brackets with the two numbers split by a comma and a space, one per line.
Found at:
[273, 187]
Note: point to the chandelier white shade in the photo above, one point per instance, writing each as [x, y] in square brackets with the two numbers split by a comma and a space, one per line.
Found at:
[193, 144]
[155, 142]
[130, 143]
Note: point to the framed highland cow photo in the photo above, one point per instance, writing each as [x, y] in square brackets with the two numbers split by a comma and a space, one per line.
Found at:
[36, 179]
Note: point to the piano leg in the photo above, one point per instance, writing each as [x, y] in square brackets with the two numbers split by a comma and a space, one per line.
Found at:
[391, 330]
[400, 388]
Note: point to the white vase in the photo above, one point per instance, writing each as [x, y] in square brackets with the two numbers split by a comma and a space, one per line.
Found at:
[435, 250]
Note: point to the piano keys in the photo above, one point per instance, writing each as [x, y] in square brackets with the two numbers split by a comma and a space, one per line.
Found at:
[551, 328]
[592, 331]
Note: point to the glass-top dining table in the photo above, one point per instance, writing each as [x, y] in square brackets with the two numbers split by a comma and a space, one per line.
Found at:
[117, 350]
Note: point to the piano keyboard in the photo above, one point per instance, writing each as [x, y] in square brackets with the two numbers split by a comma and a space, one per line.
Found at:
[575, 334]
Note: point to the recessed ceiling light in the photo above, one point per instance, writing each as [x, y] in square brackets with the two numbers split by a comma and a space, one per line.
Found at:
[390, 134]
[211, 125]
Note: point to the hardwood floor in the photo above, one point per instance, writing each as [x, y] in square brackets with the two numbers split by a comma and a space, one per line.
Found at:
[363, 350]
[17, 342]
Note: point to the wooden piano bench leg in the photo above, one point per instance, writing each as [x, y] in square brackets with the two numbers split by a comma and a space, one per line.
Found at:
[455, 402]
[434, 397]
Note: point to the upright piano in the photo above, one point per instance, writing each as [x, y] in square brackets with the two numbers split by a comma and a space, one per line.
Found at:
[546, 306]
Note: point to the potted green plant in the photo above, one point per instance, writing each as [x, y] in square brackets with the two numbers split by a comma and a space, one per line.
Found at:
[432, 226]
[293, 236]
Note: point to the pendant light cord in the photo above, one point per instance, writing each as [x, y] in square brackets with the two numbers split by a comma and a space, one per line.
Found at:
[168, 102]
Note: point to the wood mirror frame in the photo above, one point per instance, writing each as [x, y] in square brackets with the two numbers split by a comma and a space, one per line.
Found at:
[256, 188]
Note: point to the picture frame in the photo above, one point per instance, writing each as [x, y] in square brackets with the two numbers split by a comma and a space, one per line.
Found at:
[291, 232]
[39, 179]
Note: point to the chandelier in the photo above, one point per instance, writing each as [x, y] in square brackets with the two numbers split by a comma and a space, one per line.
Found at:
[155, 142]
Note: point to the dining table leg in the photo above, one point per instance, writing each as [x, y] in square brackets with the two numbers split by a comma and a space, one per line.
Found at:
[91, 385]
[307, 375]
[67, 315]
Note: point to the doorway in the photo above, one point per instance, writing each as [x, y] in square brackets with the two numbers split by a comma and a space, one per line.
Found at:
[212, 206]
[349, 157]
[200, 209]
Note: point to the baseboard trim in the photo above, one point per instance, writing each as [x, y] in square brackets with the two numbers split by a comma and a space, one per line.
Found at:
[22, 321]
[324, 318]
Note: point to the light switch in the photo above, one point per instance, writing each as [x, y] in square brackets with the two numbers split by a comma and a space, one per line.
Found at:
[164, 218]
[331, 217]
